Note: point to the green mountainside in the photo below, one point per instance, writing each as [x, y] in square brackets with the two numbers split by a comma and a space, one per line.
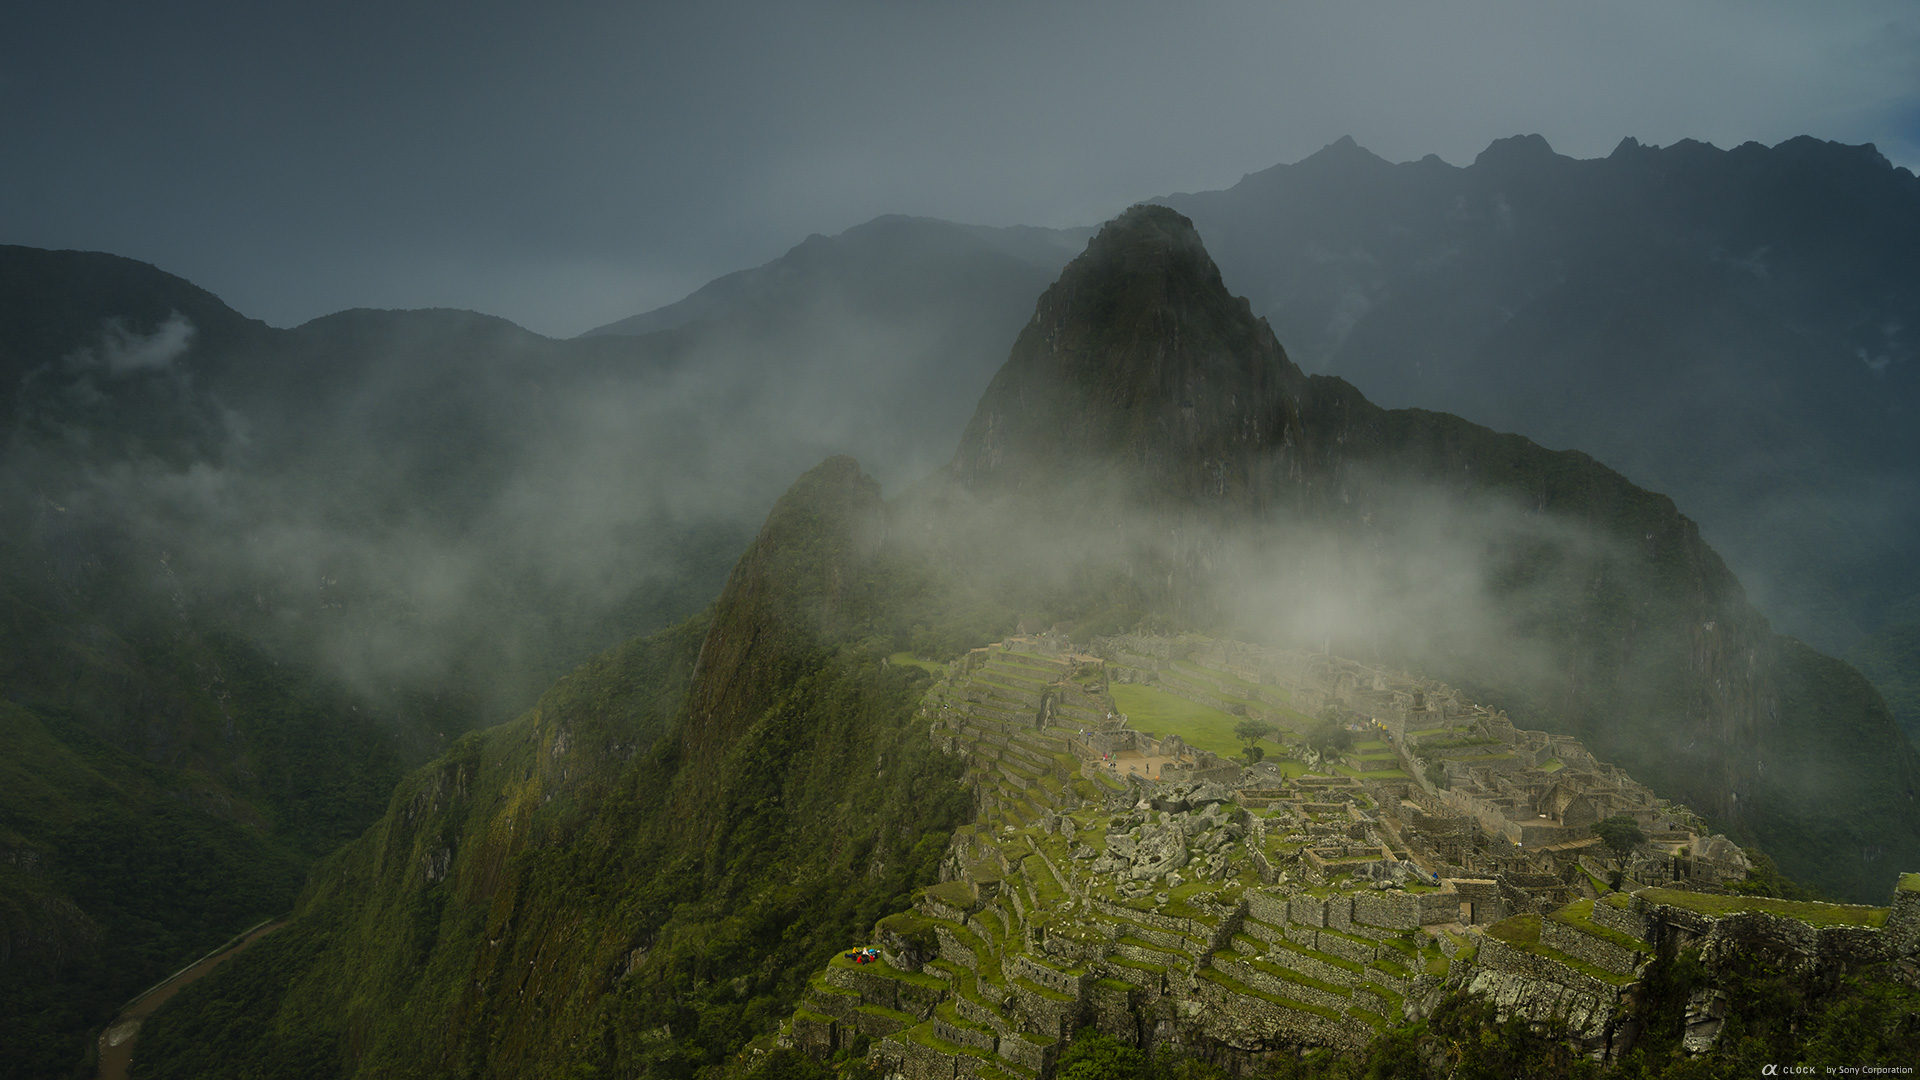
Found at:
[641, 873]
[160, 788]
[1731, 327]
[1146, 420]
[637, 874]
[1891, 658]
[271, 570]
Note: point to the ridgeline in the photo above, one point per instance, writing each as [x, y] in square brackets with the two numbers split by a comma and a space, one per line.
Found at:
[643, 873]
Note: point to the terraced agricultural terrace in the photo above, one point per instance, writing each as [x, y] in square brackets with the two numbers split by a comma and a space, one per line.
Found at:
[1239, 910]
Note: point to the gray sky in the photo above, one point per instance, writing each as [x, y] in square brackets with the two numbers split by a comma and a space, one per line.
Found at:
[568, 164]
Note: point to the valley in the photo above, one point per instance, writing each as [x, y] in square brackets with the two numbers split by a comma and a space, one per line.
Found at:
[1196, 702]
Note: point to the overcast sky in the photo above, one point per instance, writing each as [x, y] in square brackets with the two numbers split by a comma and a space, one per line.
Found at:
[568, 164]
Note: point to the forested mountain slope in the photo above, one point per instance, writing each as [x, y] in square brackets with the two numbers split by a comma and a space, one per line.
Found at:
[640, 873]
[1734, 328]
[1147, 416]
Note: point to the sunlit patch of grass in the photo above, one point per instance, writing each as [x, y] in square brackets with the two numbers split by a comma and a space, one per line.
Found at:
[1163, 714]
[1811, 912]
[910, 660]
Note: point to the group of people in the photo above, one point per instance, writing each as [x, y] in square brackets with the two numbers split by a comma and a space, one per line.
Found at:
[867, 955]
[1114, 767]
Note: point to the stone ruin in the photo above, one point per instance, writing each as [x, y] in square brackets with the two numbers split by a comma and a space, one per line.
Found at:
[1236, 912]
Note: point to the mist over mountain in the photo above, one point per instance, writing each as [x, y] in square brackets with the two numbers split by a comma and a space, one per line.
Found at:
[1732, 327]
[635, 875]
[265, 571]
[254, 575]
[371, 482]
[1149, 451]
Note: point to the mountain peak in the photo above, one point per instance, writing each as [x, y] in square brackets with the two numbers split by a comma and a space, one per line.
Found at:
[1515, 149]
[1136, 359]
[1147, 238]
[1343, 151]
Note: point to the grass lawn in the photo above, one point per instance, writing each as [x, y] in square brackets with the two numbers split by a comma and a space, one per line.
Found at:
[1221, 676]
[907, 658]
[1163, 714]
[1373, 774]
[1807, 911]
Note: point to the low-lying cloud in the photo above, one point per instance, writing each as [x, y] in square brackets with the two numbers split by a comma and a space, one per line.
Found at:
[121, 350]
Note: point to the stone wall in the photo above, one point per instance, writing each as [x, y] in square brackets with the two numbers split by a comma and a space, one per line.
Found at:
[1903, 922]
[1441, 906]
[1627, 920]
[1489, 903]
[1250, 1022]
[1780, 940]
[1583, 946]
[1519, 983]
[1393, 910]
[1504, 956]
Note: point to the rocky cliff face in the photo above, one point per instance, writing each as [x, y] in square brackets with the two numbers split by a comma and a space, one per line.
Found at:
[1148, 434]
[804, 585]
[641, 873]
[1730, 327]
[1138, 361]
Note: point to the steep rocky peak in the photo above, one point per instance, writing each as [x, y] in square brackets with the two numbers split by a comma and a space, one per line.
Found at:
[798, 586]
[1344, 153]
[1137, 360]
[1516, 150]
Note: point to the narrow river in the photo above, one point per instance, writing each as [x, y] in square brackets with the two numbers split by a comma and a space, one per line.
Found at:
[116, 1043]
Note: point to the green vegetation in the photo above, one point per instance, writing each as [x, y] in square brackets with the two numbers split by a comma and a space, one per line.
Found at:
[1248, 689]
[1151, 709]
[1890, 658]
[910, 660]
[119, 863]
[1579, 915]
[1765, 879]
[1621, 833]
[1251, 732]
[1523, 931]
[1092, 1056]
[1221, 978]
[639, 875]
[1811, 912]
[1517, 929]
[700, 847]
[1370, 774]
[114, 880]
[1852, 1021]
[1330, 736]
[1461, 742]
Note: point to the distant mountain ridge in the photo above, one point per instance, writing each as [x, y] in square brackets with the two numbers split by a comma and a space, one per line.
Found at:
[275, 568]
[884, 253]
[445, 495]
[1226, 486]
[637, 874]
[1736, 328]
